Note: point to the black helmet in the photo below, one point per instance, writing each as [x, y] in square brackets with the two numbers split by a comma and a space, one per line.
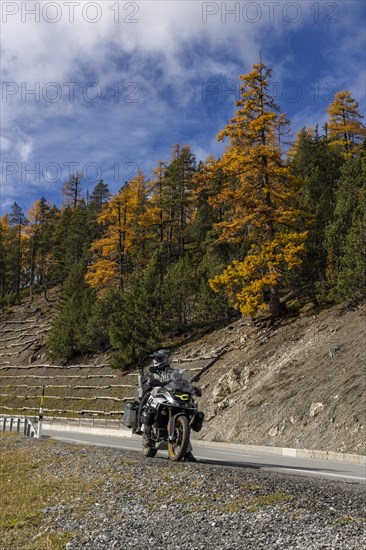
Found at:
[161, 359]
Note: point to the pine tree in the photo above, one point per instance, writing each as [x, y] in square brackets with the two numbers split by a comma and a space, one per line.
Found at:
[179, 290]
[72, 190]
[103, 312]
[5, 237]
[261, 200]
[210, 307]
[71, 240]
[319, 165]
[180, 182]
[45, 254]
[346, 234]
[134, 329]
[68, 336]
[158, 196]
[18, 221]
[36, 216]
[99, 196]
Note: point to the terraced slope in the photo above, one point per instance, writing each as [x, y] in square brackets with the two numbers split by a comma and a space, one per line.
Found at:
[297, 383]
[24, 369]
[88, 388]
[23, 332]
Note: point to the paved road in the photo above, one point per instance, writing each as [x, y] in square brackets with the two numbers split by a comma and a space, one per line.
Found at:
[355, 473]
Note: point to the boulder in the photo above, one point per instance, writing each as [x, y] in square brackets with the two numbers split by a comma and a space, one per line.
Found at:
[227, 384]
[315, 409]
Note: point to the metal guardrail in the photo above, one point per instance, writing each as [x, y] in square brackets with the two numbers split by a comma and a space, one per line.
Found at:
[10, 419]
[20, 424]
[85, 421]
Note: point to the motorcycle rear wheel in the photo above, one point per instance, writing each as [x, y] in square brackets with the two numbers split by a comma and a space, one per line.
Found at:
[178, 448]
[149, 451]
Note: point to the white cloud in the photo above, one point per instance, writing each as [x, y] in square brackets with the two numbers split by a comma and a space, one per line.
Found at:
[4, 143]
[25, 150]
[170, 52]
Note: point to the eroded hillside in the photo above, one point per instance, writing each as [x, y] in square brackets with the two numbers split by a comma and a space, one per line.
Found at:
[299, 383]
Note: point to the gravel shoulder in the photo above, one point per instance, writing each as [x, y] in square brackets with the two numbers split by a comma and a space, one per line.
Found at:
[99, 498]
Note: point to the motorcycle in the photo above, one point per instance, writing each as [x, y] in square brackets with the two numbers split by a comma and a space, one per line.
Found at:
[167, 411]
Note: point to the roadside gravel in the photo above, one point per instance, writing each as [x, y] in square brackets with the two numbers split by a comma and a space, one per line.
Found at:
[135, 502]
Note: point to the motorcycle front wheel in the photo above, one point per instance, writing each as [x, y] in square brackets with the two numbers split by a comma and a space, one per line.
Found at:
[178, 448]
[149, 451]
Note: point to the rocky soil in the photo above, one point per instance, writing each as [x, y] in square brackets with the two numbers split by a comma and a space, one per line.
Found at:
[119, 499]
[297, 383]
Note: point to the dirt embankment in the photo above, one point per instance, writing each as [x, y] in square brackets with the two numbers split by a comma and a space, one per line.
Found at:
[299, 383]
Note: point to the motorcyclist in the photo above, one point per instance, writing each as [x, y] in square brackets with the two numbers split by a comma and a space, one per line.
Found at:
[159, 374]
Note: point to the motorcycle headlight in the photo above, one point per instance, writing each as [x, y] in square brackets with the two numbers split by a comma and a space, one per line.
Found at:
[182, 396]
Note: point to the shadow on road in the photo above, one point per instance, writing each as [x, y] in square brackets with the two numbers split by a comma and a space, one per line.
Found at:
[256, 466]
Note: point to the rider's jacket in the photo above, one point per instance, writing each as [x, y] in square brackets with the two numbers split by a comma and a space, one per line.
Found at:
[164, 375]
[157, 378]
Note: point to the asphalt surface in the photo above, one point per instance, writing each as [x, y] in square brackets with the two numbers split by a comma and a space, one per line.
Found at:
[350, 472]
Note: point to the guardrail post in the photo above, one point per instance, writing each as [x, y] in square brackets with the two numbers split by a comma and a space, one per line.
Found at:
[40, 416]
[11, 424]
[4, 424]
[18, 425]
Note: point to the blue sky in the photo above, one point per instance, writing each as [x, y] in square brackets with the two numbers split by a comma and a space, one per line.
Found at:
[116, 84]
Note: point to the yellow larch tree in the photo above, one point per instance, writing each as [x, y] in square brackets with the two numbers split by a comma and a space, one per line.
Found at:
[5, 237]
[126, 223]
[259, 197]
[159, 211]
[345, 130]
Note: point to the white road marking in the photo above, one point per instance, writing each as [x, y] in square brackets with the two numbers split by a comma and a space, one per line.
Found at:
[289, 469]
[263, 466]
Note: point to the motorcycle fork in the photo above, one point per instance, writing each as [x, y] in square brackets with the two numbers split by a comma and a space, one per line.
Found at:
[170, 416]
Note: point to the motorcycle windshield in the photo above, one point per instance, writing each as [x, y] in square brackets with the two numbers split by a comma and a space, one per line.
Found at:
[178, 382]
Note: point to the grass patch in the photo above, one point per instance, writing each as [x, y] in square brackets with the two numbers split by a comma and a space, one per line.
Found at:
[268, 500]
[26, 488]
[350, 519]
[236, 505]
[250, 487]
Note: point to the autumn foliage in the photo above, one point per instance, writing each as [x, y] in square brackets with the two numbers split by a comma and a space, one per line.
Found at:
[261, 197]
[195, 243]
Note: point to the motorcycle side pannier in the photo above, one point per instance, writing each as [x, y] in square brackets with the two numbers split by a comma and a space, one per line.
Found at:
[148, 416]
[130, 415]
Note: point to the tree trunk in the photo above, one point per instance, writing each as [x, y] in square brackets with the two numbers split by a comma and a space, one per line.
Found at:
[44, 284]
[31, 280]
[276, 308]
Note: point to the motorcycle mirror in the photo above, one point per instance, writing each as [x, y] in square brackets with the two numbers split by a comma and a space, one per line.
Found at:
[143, 362]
